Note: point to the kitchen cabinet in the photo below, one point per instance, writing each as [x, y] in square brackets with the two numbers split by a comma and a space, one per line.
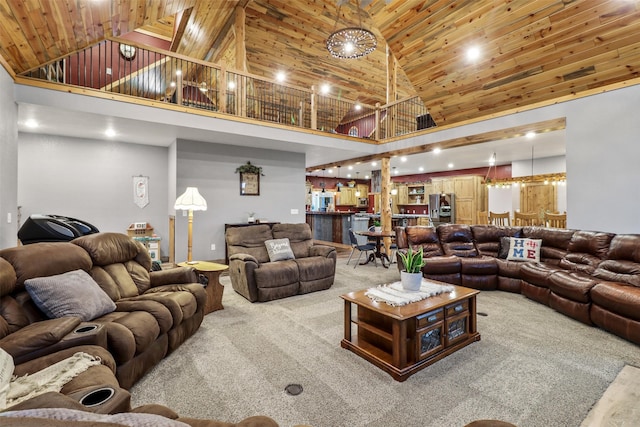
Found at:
[347, 196]
[416, 194]
[403, 195]
[442, 185]
[469, 198]
[363, 189]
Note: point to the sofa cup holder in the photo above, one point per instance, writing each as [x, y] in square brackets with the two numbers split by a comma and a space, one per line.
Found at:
[97, 397]
[85, 329]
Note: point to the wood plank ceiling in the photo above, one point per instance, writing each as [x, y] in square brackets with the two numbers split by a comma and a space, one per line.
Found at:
[530, 51]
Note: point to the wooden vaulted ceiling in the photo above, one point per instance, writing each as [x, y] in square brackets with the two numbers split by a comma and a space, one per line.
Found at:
[531, 51]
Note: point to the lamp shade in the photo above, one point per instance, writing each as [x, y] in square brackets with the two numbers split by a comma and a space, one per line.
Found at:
[191, 200]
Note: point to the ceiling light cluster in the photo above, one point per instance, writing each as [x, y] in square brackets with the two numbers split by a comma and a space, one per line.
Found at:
[546, 179]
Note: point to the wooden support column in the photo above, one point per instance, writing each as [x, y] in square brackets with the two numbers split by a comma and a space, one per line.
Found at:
[392, 92]
[385, 200]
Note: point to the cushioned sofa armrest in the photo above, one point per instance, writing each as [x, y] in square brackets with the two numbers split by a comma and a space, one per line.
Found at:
[34, 339]
[243, 257]
[40, 363]
[173, 276]
[50, 399]
[321, 250]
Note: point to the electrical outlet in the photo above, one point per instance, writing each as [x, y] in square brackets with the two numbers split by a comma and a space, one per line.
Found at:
[213, 246]
[108, 71]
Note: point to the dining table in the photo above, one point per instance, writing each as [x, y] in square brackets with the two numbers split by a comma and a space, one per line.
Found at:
[378, 235]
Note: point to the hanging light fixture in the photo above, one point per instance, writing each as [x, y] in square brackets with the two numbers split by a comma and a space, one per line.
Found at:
[350, 42]
[357, 190]
[322, 184]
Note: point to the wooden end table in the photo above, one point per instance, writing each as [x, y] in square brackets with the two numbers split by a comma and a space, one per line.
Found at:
[214, 288]
[402, 340]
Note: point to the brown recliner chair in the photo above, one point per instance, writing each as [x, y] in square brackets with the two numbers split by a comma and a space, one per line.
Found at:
[256, 278]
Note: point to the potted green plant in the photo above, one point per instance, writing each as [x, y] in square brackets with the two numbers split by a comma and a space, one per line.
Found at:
[252, 218]
[376, 225]
[412, 263]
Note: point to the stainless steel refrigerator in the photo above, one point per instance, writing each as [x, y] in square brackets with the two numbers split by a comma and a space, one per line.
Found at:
[442, 208]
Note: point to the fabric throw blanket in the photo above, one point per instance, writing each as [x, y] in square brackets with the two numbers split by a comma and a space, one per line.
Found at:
[394, 295]
[125, 418]
[51, 378]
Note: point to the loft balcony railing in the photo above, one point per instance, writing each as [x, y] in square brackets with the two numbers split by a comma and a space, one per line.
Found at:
[162, 76]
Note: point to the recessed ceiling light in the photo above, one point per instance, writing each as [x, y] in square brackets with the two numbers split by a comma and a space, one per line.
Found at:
[366, 177]
[324, 89]
[231, 85]
[473, 53]
[31, 123]
[421, 169]
[374, 164]
[530, 134]
[437, 150]
[403, 158]
[173, 84]
[350, 168]
[281, 76]
[110, 133]
[348, 175]
[358, 107]
[450, 165]
[178, 72]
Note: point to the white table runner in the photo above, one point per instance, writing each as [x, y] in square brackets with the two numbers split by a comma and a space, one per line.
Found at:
[394, 295]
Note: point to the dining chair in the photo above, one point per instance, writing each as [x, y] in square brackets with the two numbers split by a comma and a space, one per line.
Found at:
[525, 218]
[499, 218]
[366, 247]
[483, 217]
[555, 220]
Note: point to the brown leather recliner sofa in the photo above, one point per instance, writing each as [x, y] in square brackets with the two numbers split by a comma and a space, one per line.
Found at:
[591, 276]
[154, 311]
[256, 278]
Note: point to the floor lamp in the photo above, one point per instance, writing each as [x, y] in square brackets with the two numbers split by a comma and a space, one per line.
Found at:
[190, 201]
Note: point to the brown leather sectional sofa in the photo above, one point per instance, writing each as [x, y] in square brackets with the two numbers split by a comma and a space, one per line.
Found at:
[153, 313]
[255, 277]
[591, 276]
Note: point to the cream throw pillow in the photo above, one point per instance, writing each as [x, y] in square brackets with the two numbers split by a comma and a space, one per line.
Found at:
[524, 249]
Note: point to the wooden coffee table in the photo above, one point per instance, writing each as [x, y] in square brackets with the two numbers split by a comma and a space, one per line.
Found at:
[403, 340]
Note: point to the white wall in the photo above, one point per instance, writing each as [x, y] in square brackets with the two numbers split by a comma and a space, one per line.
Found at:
[92, 180]
[211, 168]
[8, 161]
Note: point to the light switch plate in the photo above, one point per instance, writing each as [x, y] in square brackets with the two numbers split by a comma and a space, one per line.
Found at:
[294, 211]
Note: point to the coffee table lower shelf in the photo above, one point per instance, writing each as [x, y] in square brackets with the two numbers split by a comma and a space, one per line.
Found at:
[404, 340]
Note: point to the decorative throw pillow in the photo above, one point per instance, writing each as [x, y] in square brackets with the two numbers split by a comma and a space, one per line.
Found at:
[524, 249]
[74, 293]
[6, 372]
[279, 249]
[503, 253]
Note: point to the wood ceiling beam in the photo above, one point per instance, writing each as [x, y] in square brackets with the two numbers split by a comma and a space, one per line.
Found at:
[183, 20]
[222, 34]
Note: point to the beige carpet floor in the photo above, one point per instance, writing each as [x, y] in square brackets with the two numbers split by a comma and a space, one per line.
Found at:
[533, 366]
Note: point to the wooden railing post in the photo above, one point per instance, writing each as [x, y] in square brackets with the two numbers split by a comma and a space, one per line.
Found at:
[314, 109]
[222, 93]
[179, 87]
[378, 123]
